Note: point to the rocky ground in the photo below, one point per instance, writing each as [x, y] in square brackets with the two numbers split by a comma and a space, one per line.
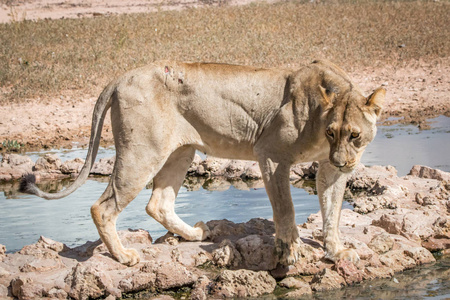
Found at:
[396, 224]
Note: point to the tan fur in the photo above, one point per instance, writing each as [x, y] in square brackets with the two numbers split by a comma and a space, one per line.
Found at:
[163, 112]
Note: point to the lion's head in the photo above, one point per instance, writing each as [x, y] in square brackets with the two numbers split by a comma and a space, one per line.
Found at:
[349, 116]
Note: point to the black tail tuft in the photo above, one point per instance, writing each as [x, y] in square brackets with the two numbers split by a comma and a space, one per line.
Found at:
[28, 184]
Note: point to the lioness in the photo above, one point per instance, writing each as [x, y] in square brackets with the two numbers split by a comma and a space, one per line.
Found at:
[163, 112]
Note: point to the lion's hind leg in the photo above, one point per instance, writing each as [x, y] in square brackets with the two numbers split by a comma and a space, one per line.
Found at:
[125, 184]
[166, 185]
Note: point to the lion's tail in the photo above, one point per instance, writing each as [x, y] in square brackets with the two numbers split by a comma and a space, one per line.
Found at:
[101, 107]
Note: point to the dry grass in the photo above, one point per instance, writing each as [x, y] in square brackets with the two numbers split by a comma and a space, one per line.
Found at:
[46, 57]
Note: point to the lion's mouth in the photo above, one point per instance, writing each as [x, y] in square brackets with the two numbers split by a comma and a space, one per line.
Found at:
[347, 168]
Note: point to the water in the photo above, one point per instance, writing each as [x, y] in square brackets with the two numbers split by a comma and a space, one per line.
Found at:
[23, 218]
[403, 146]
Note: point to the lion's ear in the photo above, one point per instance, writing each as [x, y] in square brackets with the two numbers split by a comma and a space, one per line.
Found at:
[376, 100]
[327, 98]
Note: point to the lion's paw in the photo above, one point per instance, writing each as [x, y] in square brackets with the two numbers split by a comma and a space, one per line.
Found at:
[203, 229]
[129, 257]
[288, 253]
[344, 254]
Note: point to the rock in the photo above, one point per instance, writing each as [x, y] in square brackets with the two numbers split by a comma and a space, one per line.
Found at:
[3, 292]
[50, 163]
[293, 283]
[87, 282]
[427, 172]
[257, 252]
[14, 166]
[301, 287]
[25, 288]
[137, 281]
[381, 243]
[193, 168]
[348, 271]
[104, 166]
[2, 252]
[243, 283]
[305, 170]
[420, 255]
[172, 275]
[436, 244]
[226, 255]
[378, 272]
[327, 280]
[73, 166]
[397, 260]
[3, 273]
[56, 293]
[252, 171]
[201, 288]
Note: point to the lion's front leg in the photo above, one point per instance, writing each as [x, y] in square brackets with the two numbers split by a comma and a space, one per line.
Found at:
[330, 183]
[276, 180]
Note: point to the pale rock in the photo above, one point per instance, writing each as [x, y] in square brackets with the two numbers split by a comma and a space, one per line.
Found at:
[193, 168]
[243, 283]
[381, 243]
[213, 166]
[72, 166]
[56, 293]
[234, 169]
[293, 283]
[2, 252]
[88, 282]
[430, 173]
[436, 244]
[226, 255]
[50, 163]
[299, 293]
[25, 288]
[301, 287]
[3, 292]
[378, 272]
[14, 166]
[202, 258]
[201, 288]
[349, 271]
[172, 275]
[304, 170]
[3, 272]
[327, 280]
[420, 255]
[137, 281]
[252, 172]
[104, 166]
[397, 260]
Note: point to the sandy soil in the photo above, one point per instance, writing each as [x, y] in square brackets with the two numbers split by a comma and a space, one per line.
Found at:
[415, 93]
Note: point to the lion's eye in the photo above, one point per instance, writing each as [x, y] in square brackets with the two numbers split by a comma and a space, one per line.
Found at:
[329, 132]
[355, 135]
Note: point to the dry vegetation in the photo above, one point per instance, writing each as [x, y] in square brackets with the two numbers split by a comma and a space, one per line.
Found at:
[48, 56]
